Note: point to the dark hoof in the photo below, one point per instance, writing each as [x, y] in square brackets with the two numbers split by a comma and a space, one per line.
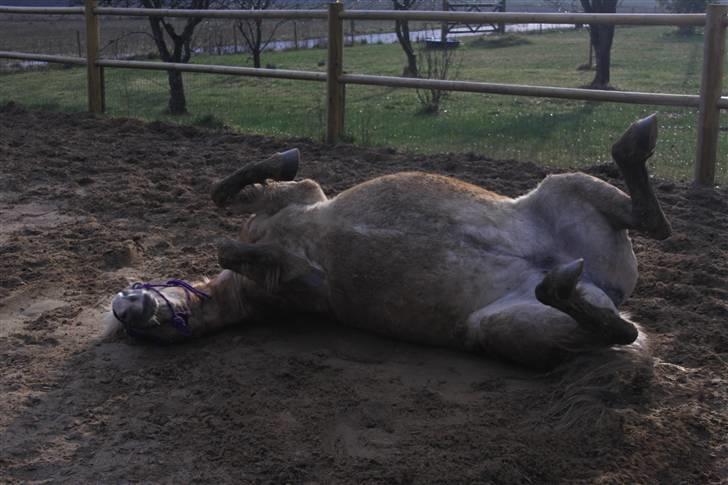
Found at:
[558, 290]
[282, 166]
[638, 143]
[560, 282]
[289, 161]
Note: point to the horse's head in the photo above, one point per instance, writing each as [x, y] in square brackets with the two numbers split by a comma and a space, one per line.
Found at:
[174, 310]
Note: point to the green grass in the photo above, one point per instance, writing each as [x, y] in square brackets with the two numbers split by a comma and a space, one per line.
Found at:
[563, 133]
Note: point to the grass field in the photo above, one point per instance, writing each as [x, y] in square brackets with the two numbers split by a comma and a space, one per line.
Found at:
[564, 133]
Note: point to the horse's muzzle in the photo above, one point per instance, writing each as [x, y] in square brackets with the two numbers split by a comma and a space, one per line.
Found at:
[134, 308]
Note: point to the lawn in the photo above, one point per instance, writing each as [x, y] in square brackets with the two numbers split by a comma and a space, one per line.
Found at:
[557, 132]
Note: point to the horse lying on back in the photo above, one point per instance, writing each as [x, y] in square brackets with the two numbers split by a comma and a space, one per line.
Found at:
[425, 258]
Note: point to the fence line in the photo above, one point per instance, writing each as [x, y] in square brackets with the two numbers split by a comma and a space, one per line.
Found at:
[43, 10]
[526, 18]
[709, 102]
[629, 97]
[26, 56]
[214, 69]
[214, 14]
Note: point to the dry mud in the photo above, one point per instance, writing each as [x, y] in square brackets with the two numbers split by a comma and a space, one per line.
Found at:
[88, 205]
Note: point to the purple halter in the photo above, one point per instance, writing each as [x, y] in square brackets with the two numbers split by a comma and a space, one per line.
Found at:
[180, 320]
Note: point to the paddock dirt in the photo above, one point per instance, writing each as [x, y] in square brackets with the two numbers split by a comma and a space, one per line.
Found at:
[88, 205]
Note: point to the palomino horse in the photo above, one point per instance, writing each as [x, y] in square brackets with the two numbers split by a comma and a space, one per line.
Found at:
[425, 258]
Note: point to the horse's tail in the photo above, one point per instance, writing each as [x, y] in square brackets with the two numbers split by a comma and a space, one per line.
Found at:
[596, 389]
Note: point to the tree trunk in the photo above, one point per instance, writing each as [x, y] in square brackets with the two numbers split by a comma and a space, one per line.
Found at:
[401, 28]
[177, 100]
[601, 38]
[256, 57]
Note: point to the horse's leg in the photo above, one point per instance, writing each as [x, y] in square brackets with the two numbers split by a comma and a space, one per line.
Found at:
[565, 317]
[524, 331]
[273, 269]
[630, 153]
[588, 305]
[639, 211]
[281, 166]
[272, 197]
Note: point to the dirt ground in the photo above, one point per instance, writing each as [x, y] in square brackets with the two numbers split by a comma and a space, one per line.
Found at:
[88, 205]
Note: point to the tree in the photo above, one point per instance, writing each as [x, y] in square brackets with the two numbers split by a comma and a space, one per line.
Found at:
[684, 6]
[179, 49]
[441, 64]
[401, 28]
[252, 29]
[173, 45]
[601, 37]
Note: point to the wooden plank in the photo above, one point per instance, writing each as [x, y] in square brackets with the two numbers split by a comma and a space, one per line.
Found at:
[710, 94]
[94, 75]
[461, 17]
[215, 69]
[224, 14]
[473, 17]
[43, 10]
[696, 19]
[630, 97]
[28, 56]
[334, 87]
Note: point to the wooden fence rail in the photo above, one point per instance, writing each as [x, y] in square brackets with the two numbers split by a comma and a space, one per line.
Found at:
[709, 102]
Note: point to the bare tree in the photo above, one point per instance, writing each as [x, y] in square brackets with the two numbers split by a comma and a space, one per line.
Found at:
[179, 47]
[173, 44]
[401, 28]
[601, 37]
[438, 63]
[256, 39]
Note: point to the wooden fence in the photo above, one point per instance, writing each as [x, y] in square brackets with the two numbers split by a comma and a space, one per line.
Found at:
[709, 101]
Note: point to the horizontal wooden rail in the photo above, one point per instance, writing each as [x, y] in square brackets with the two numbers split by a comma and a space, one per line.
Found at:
[27, 56]
[439, 16]
[696, 19]
[630, 97]
[43, 10]
[224, 14]
[216, 69]
[473, 17]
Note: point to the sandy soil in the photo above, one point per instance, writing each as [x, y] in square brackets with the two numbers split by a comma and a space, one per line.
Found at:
[88, 205]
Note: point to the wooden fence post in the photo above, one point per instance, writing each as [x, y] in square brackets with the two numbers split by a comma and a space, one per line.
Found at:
[94, 74]
[334, 87]
[501, 8]
[710, 92]
[444, 26]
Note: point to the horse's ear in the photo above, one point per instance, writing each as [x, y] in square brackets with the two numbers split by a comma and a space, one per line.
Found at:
[268, 265]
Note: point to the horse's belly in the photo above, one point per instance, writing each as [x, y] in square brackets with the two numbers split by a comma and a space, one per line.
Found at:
[412, 288]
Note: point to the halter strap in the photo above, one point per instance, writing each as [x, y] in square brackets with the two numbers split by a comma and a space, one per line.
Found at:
[180, 320]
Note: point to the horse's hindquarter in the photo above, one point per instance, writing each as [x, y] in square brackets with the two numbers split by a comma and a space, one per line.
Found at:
[570, 227]
[413, 255]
